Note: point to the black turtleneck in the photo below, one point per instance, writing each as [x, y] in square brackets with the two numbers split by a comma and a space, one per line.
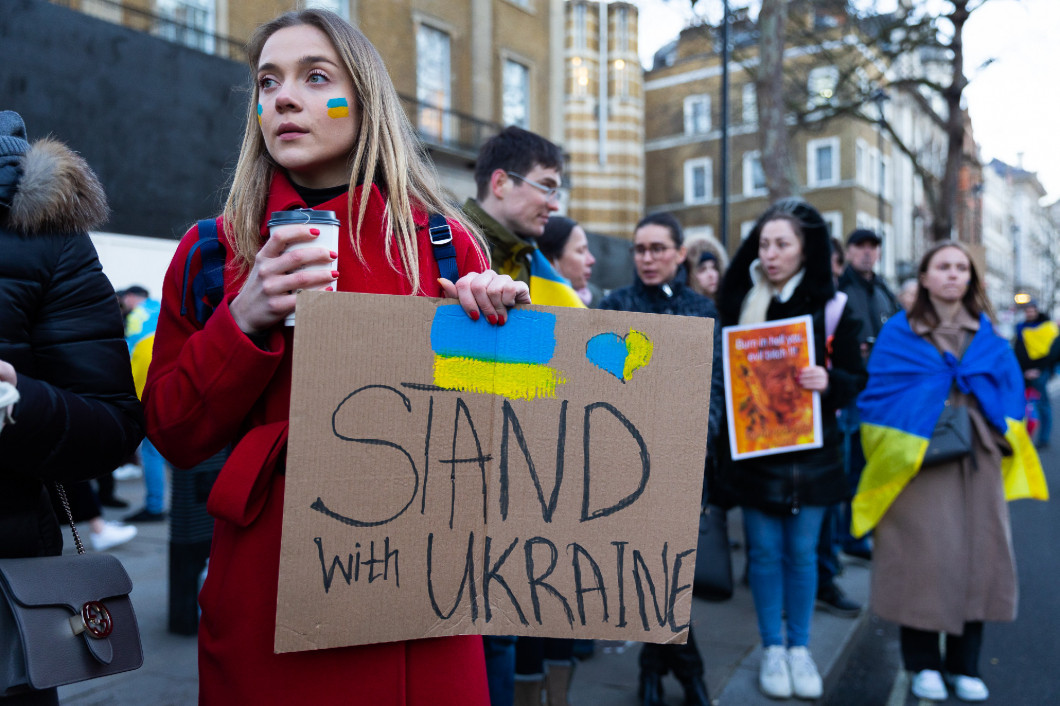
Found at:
[315, 197]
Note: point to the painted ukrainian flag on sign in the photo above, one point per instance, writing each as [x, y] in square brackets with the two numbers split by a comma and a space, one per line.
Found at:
[908, 385]
[548, 287]
[509, 360]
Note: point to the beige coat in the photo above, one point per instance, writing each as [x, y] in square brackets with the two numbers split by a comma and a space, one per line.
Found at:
[943, 551]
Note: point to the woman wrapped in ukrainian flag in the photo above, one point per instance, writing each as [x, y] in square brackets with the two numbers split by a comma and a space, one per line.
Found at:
[943, 557]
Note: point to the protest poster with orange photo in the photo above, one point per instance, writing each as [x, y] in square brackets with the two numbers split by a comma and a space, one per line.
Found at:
[768, 411]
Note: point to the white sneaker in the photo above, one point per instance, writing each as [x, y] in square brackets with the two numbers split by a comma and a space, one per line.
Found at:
[970, 688]
[128, 471]
[774, 677]
[112, 535]
[805, 680]
[928, 684]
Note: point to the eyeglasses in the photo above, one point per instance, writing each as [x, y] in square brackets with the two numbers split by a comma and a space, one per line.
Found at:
[656, 249]
[550, 192]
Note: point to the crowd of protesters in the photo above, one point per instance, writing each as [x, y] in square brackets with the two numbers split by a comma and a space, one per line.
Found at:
[885, 369]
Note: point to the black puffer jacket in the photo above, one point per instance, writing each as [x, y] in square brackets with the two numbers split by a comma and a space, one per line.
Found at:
[676, 297]
[61, 329]
[782, 483]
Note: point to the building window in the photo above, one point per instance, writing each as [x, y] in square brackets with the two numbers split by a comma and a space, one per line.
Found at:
[621, 78]
[433, 82]
[754, 177]
[861, 163]
[521, 3]
[699, 180]
[750, 104]
[745, 229]
[579, 28]
[579, 77]
[885, 172]
[697, 115]
[821, 85]
[516, 91]
[822, 162]
[187, 22]
[834, 219]
[339, 7]
[622, 30]
[696, 232]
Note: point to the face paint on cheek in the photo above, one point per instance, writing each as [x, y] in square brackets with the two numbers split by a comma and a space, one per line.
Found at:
[259, 113]
[338, 108]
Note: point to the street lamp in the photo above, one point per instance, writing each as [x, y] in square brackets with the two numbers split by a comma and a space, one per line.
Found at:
[879, 97]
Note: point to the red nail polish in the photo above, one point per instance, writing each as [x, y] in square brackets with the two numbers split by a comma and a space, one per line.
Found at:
[474, 315]
[314, 231]
[334, 255]
[503, 319]
[335, 274]
[492, 318]
[329, 289]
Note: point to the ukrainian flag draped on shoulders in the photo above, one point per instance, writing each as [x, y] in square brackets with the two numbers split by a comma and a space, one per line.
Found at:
[549, 287]
[909, 382]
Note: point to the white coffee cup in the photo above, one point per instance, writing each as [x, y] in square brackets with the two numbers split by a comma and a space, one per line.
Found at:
[325, 221]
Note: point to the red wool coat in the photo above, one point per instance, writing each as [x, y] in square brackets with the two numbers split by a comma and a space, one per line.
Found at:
[211, 386]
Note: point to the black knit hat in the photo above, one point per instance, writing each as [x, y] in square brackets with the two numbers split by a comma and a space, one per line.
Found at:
[12, 134]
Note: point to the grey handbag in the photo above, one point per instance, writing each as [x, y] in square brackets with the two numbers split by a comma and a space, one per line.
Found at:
[65, 619]
[952, 436]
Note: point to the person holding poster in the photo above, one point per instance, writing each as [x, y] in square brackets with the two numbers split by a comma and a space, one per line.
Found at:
[781, 271]
[943, 559]
[325, 130]
[660, 287]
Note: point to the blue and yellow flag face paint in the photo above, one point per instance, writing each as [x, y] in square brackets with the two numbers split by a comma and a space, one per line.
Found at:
[509, 360]
[338, 108]
[909, 382]
[548, 287]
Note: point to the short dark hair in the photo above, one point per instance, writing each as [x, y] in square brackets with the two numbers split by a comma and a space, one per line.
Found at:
[837, 250]
[666, 220]
[136, 290]
[514, 149]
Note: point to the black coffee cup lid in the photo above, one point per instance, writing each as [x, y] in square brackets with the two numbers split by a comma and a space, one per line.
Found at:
[302, 216]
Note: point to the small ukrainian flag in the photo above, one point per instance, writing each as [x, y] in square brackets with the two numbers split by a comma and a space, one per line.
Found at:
[548, 287]
[338, 108]
[509, 360]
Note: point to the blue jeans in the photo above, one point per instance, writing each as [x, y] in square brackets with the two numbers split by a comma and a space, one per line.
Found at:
[1045, 409]
[154, 477]
[500, 668]
[782, 569]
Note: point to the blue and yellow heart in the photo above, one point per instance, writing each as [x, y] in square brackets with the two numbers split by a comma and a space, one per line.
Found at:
[619, 355]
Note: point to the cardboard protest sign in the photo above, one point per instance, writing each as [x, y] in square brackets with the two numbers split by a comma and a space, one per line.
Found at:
[768, 411]
[448, 477]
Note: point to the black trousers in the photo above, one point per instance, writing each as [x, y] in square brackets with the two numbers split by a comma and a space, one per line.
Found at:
[920, 650]
[683, 660]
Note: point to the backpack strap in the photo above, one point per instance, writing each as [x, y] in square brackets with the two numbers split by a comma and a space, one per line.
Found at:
[207, 288]
[442, 242]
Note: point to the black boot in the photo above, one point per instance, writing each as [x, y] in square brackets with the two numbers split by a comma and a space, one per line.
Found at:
[650, 689]
[696, 692]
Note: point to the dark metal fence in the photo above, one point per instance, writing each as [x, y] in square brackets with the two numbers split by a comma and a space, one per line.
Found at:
[449, 129]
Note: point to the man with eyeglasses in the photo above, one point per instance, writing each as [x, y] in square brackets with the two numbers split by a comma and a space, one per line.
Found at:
[518, 176]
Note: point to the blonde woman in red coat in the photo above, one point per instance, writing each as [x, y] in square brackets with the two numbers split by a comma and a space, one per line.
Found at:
[227, 382]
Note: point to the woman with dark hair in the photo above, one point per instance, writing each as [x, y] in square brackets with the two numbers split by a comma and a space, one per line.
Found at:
[784, 269]
[324, 130]
[943, 559]
[566, 246]
[660, 287]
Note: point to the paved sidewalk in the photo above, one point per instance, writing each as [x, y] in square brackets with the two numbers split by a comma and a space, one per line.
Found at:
[727, 635]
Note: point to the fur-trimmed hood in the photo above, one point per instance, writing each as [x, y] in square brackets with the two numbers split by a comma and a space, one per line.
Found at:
[817, 286]
[57, 192]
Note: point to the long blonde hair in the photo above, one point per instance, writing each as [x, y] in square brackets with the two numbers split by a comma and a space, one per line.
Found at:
[387, 153]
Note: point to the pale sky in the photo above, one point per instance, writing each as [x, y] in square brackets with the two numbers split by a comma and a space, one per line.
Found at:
[1014, 102]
